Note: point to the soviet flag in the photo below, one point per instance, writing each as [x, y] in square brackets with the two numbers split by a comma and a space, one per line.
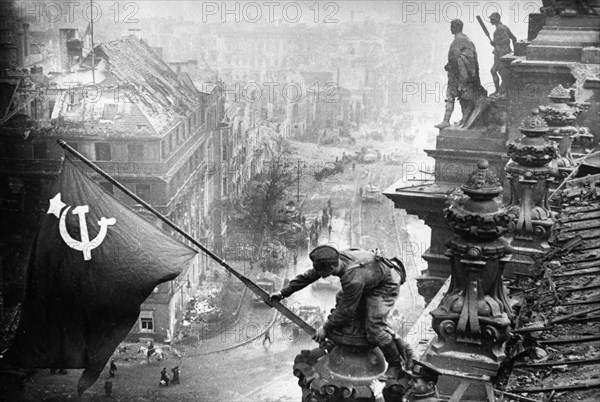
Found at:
[93, 262]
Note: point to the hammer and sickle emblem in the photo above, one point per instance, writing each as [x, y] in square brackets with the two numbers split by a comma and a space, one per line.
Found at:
[85, 245]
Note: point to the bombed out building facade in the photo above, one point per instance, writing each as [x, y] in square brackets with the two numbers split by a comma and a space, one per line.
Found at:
[122, 107]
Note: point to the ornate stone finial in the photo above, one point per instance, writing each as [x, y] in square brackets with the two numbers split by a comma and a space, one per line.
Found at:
[473, 318]
[482, 181]
[530, 174]
[534, 124]
[478, 216]
[533, 150]
[559, 92]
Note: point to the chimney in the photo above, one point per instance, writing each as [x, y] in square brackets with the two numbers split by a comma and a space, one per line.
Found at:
[20, 49]
[26, 39]
[65, 35]
[137, 32]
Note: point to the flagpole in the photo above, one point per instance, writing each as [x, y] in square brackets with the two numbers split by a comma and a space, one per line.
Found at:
[251, 285]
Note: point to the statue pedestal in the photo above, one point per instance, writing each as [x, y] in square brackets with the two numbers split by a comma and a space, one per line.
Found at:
[458, 151]
[563, 38]
[556, 56]
[427, 201]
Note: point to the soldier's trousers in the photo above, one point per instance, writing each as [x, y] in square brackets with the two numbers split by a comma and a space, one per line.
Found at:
[379, 304]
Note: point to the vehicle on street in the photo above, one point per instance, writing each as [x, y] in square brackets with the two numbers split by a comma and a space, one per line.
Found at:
[372, 193]
[273, 256]
[396, 158]
[369, 156]
[293, 307]
[313, 315]
[266, 284]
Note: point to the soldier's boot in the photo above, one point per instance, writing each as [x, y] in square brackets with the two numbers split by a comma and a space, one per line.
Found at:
[446, 122]
[394, 360]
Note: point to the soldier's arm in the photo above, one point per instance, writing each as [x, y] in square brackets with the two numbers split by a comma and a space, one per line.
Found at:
[346, 308]
[300, 282]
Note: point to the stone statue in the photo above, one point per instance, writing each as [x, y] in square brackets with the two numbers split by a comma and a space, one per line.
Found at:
[463, 77]
[501, 42]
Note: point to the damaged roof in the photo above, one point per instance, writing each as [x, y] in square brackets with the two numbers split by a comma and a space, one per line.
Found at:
[148, 89]
[556, 352]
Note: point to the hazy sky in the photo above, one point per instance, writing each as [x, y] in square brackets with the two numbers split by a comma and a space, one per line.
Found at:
[252, 12]
[115, 17]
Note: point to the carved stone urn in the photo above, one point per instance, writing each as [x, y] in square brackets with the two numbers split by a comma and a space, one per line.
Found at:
[345, 369]
[561, 115]
[472, 321]
[530, 176]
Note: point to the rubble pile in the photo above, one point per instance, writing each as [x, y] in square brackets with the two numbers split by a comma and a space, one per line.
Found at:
[555, 351]
[203, 308]
[581, 192]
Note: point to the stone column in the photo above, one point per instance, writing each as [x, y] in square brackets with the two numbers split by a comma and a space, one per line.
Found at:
[530, 176]
[472, 321]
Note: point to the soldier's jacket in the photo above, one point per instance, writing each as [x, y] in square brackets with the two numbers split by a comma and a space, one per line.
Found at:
[360, 274]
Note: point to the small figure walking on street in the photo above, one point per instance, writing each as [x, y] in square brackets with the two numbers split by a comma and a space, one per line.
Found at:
[329, 230]
[151, 350]
[108, 388]
[112, 369]
[164, 377]
[267, 337]
[295, 259]
[175, 371]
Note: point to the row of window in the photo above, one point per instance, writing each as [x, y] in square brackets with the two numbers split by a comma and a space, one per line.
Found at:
[143, 190]
[102, 151]
[184, 131]
[200, 159]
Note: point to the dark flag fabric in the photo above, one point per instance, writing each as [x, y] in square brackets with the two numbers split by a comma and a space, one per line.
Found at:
[93, 262]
